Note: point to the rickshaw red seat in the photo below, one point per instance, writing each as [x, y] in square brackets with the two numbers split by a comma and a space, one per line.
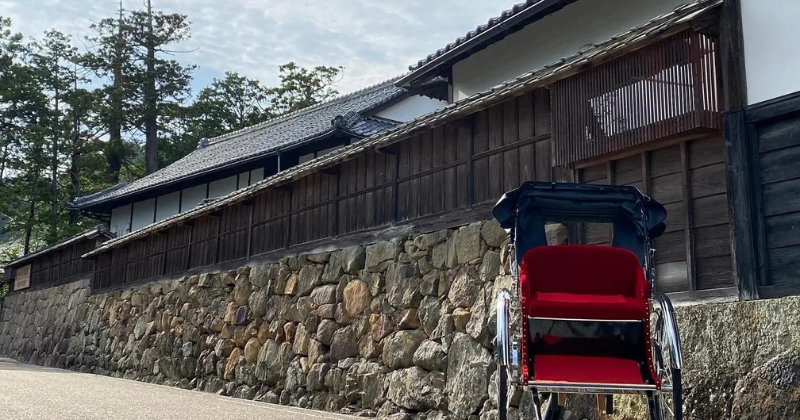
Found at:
[583, 282]
[587, 369]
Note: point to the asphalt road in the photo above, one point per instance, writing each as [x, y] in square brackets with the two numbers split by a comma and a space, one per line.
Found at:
[32, 392]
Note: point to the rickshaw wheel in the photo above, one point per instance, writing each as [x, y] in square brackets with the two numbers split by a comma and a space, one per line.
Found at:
[502, 393]
[668, 362]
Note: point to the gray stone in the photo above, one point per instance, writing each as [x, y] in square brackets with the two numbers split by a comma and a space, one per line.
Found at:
[430, 284]
[381, 327]
[431, 356]
[353, 259]
[327, 311]
[258, 302]
[490, 267]
[324, 295]
[398, 350]
[416, 389]
[429, 240]
[309, 278]
[364, 383]
[381, 252]
[556, 233]
[369, 348]
[320, 258]
[273, 362]
[430, 313]
[468, 368]
[242, 290]
[770, 391]
[344, 344]
[464, 288]
[316, 376]
[402, 286]
[251, 350]
[408, 319]
[477, 326]
[493, 234]
[468, 243]
[439, 256]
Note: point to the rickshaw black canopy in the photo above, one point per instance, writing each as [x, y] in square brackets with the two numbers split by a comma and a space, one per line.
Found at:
[525, 210]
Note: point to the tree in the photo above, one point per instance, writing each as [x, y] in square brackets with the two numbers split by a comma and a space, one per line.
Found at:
[110, 60]
[53, 59]
[164, 82]
[301, 87]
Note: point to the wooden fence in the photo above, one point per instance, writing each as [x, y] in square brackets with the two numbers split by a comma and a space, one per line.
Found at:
[443, 173]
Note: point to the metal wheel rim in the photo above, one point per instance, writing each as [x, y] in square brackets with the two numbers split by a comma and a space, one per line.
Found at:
[665, 400]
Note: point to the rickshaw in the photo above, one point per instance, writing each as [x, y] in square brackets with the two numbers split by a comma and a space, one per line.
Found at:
[585, 318]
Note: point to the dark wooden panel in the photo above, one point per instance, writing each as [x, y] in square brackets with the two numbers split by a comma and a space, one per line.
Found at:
[667, 189]
[715, 272]
[670, 247]
[782, 230]
[543, 160]
[665, 161]
[628, 170]
[675, 220]
[780, 165]
[706, 152]
[597, 233]
[712, 241]
[708, 180]
[709, 211]
[784, 265]
[781, 197]
[671, 277]
[593, 173]
[779, 134]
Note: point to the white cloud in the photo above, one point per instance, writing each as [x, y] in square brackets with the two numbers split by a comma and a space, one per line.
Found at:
[373, 39]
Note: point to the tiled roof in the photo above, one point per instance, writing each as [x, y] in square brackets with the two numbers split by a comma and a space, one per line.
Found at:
[482, 33]
[261, 140]
[89, 234]
[659, 25]
[516, 10]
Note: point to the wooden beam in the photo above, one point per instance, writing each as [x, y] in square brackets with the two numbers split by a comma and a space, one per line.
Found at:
[741, 189]
[686, 186]
[734, 79]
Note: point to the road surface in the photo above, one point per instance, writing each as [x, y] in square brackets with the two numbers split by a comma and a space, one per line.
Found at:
[32, 392]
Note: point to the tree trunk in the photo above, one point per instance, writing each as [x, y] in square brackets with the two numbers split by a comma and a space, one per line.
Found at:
[115, 147]
[54, 173]
[150, 112]
[29, 229]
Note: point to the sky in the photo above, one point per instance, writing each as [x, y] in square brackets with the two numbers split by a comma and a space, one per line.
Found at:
[373, 40]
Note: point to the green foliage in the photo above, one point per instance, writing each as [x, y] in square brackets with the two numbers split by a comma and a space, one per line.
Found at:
[74, 120]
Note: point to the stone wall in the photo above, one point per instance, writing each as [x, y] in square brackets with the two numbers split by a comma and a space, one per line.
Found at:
[400, 328]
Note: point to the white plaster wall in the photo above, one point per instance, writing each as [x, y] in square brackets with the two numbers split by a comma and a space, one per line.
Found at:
[193, 196]
[244, 180]
[222, 187]
[411, 107]
[143, 214]
[556, 36]
[771, 51]
[168, 205]
[256, 175]
[120, 220]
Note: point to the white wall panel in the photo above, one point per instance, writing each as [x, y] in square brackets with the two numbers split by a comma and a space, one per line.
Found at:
[559, 35]
[120, 220]
[222, 187]
[411, 107]
[256, 175]
[167, 205]
[193, 196]
[143, 214]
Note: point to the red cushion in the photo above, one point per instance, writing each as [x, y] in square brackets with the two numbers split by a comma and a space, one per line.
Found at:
[586, 369]
[583, 282]
[580, 306]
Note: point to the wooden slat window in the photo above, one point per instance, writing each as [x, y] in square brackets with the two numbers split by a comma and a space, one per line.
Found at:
[665, 89]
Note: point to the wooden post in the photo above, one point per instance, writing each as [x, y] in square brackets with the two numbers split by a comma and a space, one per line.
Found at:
[686, 184]
[734, 79]
[740, 209]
